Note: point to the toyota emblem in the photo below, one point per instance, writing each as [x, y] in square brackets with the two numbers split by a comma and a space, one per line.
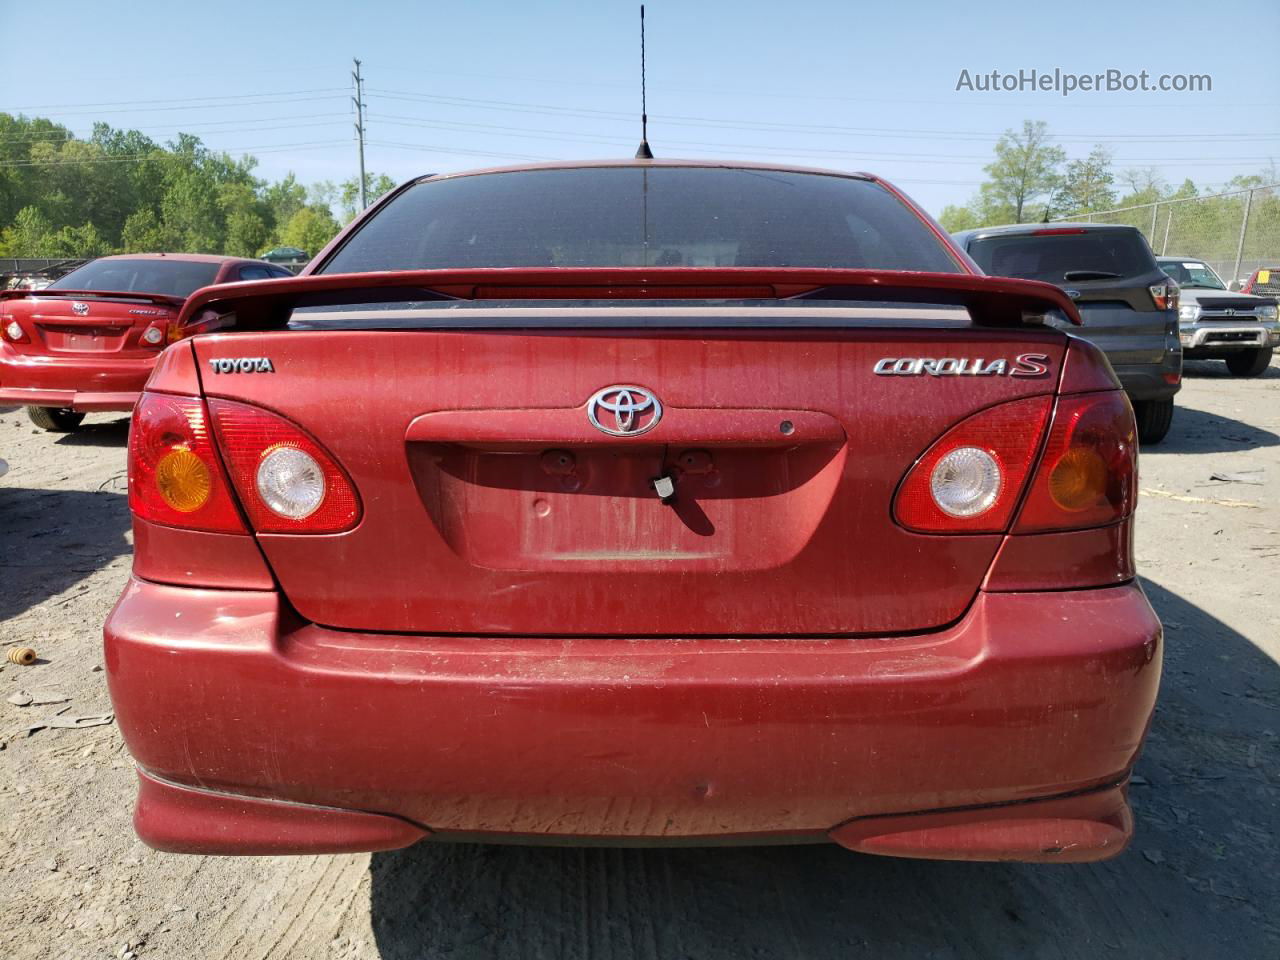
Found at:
[624, 411]
[79, 309]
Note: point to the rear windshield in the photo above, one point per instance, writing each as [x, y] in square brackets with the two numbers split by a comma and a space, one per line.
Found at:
[636, 216]
[1065, 257]
[176, 278]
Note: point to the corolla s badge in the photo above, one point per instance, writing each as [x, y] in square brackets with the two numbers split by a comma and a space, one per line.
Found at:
[79, 309]
[624, 410]
[1023, 365]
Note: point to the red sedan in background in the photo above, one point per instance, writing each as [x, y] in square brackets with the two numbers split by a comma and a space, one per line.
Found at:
[88, 341]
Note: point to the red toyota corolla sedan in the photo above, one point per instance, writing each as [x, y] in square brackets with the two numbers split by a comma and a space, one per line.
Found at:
[640, 502]
[88, 341]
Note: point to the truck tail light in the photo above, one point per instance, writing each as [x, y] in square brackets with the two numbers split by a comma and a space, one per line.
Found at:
[970, 480]
[1088, 475]
[286, 481]
[1165, 295]
[175, 477]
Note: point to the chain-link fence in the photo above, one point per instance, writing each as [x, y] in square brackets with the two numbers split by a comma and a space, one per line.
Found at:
[1236, 233]
[34, 271]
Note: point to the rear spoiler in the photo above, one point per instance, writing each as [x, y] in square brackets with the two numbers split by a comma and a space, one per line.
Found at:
[160, 299]
[991, 301]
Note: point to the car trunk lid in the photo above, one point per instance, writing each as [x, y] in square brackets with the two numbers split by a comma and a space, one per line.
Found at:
[87, 324]
[493, 505]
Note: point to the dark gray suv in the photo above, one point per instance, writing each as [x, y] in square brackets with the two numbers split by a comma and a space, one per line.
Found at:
[1128, 304]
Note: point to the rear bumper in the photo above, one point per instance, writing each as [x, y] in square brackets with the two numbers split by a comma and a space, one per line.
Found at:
[77, 383]
[1007, 736]
[1152, 381]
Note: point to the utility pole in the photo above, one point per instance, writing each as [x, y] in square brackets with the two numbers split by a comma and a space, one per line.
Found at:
[358, 100]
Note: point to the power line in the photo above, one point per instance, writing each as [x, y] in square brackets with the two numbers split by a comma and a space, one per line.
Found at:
[756, 94]
[568, 136]
[458, 151]
[903, 133]
[197, 106]
[159, 152]
[703, 146]
[186, 128]
[130, 103]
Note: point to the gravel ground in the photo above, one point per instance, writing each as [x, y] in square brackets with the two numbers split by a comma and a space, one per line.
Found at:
[1201, 880]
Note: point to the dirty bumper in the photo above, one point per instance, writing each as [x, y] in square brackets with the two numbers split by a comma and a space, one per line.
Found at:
[1007, 736]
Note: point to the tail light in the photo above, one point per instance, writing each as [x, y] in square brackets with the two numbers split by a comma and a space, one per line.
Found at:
[1165, 295]
[970, 480]
[286, 481]
[175, 477]
[1088, 475]
[13, 331]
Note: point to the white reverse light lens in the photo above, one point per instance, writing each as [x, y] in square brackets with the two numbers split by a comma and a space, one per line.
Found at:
[152, 335]
[966, 482]
[290, 482]
[14, 331]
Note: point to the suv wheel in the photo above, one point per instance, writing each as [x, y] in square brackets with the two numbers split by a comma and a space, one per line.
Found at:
[1154, 418]
[55, 419]
[1249, 363]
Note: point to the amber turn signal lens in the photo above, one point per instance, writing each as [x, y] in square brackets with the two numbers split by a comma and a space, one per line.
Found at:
[1078, 480]
[183, 480]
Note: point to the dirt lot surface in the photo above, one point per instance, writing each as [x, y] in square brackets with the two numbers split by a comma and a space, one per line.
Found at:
[1201, 880]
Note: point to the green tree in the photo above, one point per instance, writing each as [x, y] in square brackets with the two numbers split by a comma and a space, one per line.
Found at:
[955, 217]
[283, 199]
[375, 185]
[143, 233]
[82, 241]
[1086, 185]
[1145, 186]
[1025, 168]
[30, 235]
[310, 229]
[190, 209]
[246, 216]
[247, 234]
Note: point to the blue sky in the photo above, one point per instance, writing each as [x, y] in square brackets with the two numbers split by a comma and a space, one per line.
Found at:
[850, 86]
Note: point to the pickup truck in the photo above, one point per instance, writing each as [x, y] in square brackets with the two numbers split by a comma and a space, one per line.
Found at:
[636, 502]
[1219, 324]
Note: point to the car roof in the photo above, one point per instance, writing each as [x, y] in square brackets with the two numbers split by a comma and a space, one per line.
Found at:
[1025, 229]
[649, 164]
[1171, 258]
[182, 257]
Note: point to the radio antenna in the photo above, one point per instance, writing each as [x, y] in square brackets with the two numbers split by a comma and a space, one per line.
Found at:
[643, 152]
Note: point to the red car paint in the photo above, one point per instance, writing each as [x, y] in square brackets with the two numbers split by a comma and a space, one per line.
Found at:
[518, 637]
[95, 360]
[1256, 285]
